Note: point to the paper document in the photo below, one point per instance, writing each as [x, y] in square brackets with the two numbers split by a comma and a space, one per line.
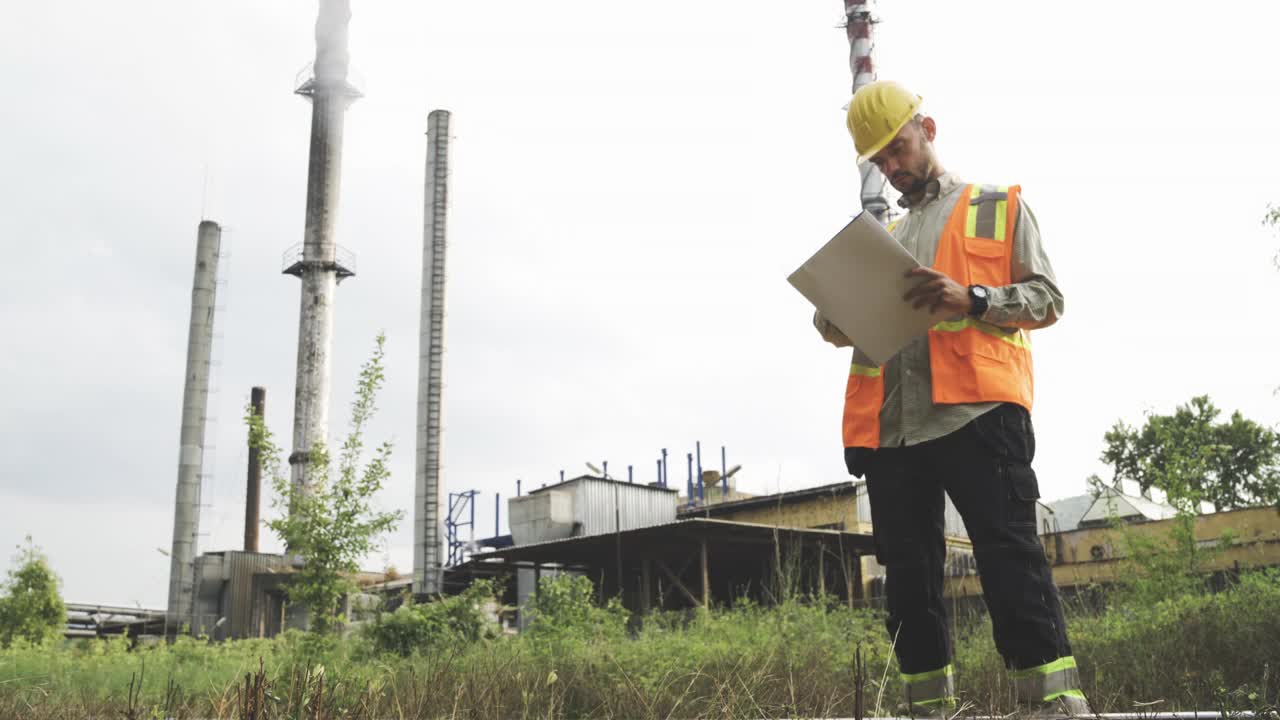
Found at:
[857, 282]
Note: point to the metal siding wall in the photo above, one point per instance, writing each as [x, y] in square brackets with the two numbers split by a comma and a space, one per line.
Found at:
[207, 593]
[240, 609]
[638, 506]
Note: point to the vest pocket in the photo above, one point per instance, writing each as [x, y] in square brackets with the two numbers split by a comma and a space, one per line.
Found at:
[972, 342]
[987, 261]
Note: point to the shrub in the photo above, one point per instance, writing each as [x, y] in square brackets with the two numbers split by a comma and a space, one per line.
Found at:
[448, 622]
[565, 609]
[31, 609]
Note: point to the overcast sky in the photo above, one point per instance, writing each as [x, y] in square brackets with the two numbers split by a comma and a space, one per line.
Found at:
[631, 186]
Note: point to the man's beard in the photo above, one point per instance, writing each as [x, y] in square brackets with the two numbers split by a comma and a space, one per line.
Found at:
[914, 184]
[913, 181]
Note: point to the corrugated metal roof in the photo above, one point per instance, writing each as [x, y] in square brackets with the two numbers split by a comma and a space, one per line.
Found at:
[1113, 501]
[568, 550]
[786, 498]
[1069, 511]
[570, 481]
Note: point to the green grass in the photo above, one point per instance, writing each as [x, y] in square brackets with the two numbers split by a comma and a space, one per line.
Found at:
[1196, 651]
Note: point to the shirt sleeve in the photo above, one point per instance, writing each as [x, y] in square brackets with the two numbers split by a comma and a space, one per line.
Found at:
[1033, 300]
[830, 332]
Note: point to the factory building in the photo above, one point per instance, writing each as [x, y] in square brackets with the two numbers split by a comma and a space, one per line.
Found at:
[635, 543]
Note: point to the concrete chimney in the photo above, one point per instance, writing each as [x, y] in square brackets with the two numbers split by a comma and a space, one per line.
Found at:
[859, 26]
[253, 485]
[428, 545]
[195, 399]
[318, 261]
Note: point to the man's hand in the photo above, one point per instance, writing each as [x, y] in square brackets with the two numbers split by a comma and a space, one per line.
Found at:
[937, 292]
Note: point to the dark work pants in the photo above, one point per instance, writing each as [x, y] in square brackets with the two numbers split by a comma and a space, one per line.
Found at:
[985, 467]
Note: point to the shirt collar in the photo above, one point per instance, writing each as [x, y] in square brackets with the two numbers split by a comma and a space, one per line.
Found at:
[936, 187]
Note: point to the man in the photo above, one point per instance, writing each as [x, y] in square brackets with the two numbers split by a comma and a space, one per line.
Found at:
[950, 413]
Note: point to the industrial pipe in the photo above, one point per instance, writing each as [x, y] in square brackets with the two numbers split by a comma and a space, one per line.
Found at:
[689, 456]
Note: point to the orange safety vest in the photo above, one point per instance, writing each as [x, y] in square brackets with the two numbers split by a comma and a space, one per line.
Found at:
[971, 361]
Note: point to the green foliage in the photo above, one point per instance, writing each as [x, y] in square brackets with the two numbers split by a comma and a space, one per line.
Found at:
[449, 622]
[1164, 566]
[564, 610]
[1194, 458]
[1197, 651]
[31, 608]
[330, 521]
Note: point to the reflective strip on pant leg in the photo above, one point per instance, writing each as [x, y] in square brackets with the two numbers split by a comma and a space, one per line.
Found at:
[1049, 681]
[930, 688]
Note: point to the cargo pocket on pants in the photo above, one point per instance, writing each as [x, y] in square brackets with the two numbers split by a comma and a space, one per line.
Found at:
[1024, 490]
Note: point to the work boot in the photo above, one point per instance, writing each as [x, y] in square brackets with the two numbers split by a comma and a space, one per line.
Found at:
[1051, 690]
[929, 694]
[942, 710]
[1063, 706]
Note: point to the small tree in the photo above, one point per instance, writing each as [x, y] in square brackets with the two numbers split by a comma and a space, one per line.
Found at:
[1194, 458]
[31, 607]
[330, 522]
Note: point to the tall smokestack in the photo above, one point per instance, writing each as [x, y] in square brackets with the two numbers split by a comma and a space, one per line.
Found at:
[195, 399]
[318, 262]
[253, 484]
[859, 24]
[428, 546]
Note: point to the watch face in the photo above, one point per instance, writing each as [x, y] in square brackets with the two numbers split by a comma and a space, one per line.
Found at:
[980, 291]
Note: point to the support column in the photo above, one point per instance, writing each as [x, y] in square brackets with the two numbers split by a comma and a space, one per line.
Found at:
[822, 573]
[706, 577]
[857, 577]
[848, 562]
[646, 585]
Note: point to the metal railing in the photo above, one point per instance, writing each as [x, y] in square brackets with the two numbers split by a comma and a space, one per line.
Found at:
[293, 259]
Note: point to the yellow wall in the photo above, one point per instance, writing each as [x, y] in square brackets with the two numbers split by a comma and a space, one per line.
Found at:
[814, 512]
[1256, 533]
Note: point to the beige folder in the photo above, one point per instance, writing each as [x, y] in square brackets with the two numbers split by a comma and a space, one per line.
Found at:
[857, 281]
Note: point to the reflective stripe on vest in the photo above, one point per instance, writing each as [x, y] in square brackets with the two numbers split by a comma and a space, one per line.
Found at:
[987, 213]
[930, 688]
[1048, 682]
[1016, 338]
[970, 361]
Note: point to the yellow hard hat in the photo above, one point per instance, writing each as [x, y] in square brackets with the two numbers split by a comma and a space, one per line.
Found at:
[877, 112]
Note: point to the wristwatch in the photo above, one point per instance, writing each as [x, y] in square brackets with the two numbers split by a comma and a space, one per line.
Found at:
[979, 300]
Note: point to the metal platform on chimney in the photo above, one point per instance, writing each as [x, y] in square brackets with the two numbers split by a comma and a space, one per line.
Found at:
[293, 262]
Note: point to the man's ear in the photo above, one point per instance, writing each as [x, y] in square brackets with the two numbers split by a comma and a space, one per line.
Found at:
[930, 128]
